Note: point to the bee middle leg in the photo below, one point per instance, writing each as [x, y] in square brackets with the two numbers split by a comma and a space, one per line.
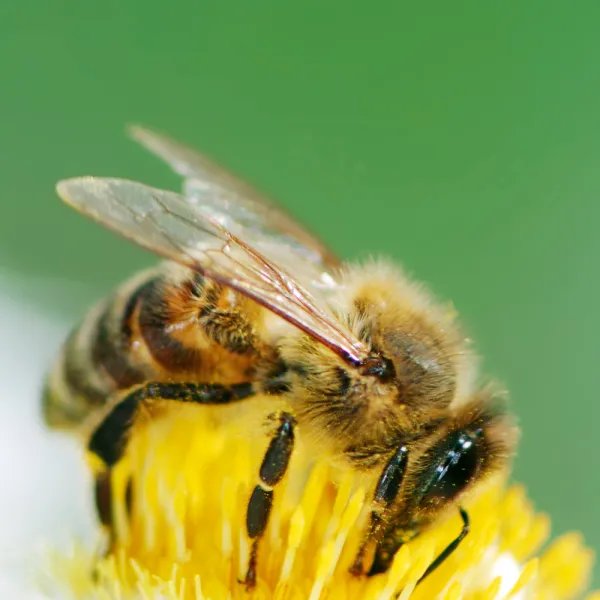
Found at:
[386, 492]
[272, 470]
[110, 438]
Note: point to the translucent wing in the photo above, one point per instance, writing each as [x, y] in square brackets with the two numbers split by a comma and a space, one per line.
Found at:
[199, 237]
[241, 206]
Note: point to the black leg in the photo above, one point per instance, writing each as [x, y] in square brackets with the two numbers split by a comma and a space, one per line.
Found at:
[103, 498]
[103, 502]
[386, 492]
[451, 547]
[110, 438]
[129, 497]
[272, 470]
[389, 545]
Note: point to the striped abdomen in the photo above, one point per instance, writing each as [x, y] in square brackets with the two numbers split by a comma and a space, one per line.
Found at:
[167, 324]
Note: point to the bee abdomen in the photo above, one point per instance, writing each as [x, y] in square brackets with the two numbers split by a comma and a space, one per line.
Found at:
[96, 359]
[111, 346]
[167, 323]
[73, 388]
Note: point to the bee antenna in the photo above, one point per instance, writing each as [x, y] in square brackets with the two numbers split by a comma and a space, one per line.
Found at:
[451, 547]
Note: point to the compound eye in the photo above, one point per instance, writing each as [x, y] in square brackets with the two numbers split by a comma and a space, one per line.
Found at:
[455, 463]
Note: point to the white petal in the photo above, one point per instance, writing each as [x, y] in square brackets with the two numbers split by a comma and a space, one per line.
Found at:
[507, 567]
[43, 495]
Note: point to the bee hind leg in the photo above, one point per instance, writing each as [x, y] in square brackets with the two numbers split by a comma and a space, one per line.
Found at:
[272, 470]
[103, 500]
[109, 440]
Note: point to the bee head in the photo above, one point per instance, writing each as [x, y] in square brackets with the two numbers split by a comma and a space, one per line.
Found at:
[440, 470]
[418, 361]
[415, 346]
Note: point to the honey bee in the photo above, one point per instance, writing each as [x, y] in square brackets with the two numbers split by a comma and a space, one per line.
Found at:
[251, 304]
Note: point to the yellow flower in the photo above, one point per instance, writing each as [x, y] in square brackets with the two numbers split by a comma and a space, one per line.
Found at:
[185, 537]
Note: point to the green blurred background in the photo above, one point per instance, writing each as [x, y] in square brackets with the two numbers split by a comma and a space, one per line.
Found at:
[462, 138]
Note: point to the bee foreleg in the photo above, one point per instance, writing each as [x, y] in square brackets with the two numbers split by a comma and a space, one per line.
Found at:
[272, 470]
[386, 492]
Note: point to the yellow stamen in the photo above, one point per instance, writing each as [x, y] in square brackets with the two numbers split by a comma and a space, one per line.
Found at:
[185, 538]
[528, 573]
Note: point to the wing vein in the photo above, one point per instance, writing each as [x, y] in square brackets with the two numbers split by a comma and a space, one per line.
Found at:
[227, 232]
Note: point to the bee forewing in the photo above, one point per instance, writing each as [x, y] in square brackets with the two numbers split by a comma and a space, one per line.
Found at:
[213, 243]
[211, 185]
